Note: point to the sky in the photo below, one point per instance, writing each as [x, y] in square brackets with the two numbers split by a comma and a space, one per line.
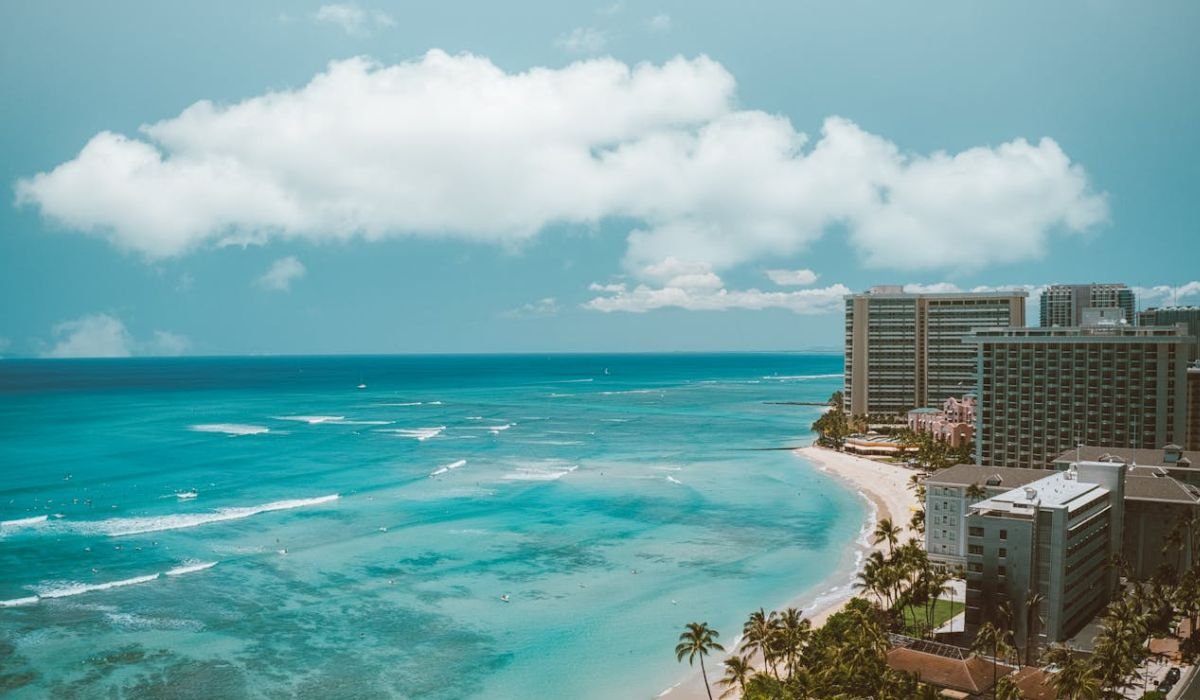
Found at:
[227, 178]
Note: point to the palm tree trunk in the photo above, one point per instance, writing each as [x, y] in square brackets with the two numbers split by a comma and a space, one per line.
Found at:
[705, 674]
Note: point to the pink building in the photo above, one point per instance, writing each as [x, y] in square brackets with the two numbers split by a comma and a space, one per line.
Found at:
[953, 424]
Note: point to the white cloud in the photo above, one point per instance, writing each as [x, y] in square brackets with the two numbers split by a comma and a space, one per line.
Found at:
[582, 40]
[97, 335]
[165, 343]
[660, 22]
[792, 278]
[1166, 295]
[611, 10]
[933, 288]
[372, 151]
[352, 18]
[547, 306]
[103, 335]
[281, 274]
[695, 287]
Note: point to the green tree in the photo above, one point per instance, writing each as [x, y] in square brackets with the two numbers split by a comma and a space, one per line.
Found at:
[698, 639]
[975, 492]
[1006, 689]
[885, 531]
[758, 636]
[737, 672]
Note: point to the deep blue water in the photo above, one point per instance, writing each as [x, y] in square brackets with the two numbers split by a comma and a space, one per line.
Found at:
[326, 540]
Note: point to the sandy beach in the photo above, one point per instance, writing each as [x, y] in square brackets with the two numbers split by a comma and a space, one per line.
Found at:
[886, 487]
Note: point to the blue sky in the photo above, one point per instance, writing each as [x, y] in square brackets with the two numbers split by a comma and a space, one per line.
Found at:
[242, 178]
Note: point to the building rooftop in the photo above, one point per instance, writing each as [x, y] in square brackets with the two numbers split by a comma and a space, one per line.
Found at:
[967, 474]
[897, 292]
[1057, 334]
[942, 665]
[1061, 489]
[1128, 455]
[1151, 487]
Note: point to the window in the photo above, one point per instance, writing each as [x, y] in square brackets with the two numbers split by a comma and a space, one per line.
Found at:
[975, 549]
[1003, 570]
[976, 531]
[1004, 534]
[1003, 552]
[975, 567]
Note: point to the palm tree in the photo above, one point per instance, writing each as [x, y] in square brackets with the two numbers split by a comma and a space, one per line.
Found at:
[1006, 689]
[792, 631]
[885, 531]
[975, 492]
[1033, 622]
[758, 635]
[989, 637]
[737, 671]
[698, 639]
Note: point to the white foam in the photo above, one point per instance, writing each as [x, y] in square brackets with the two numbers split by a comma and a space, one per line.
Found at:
[69, 589]
[118, 527]
[435, 403]
[189, 568]
[23, 522]
[421, 434]
[232, 429]
[673, 480]
[14, 602]
[186, 495]
[407, 403]
[497, 429]
[474, 417]
[538, 474]
[802, 377]
[360, 422]
[576, 381]
[448, 467]
[312, 420]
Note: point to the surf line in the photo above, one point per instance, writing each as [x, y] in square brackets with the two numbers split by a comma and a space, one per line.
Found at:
[75, 589]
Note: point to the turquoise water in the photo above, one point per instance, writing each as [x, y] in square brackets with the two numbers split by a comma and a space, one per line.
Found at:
[266, 528]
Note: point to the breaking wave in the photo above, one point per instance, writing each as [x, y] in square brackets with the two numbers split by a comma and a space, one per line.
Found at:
[231, 429]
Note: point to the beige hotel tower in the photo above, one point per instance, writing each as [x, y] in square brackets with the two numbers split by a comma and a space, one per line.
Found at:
[906, 350]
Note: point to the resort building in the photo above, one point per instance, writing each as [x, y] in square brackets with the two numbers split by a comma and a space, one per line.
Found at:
[946, 503]
[1064, 304]
[1051, 539]
[1193, 402]
[1171, 315]
[1042, 391]
[1162, 488]
[953, 423]
[905, 351]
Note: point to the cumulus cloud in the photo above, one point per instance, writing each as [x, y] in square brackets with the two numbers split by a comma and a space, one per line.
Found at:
[372, 151]
[660, 23]
[582, 40]
[103, 335]
[695, 287]
[547, 306]
[1167, 295]
[352, 18]
[792, 278]
[281, 274]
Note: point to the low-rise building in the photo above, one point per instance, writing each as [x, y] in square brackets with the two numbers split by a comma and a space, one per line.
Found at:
[953, 423]
[1043, 551]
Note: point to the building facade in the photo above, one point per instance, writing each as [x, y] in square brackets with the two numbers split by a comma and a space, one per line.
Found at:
[1064, 304]
[953, 423]
[1171, 315]
[905, 351]
[1044, 390]
[1193, 401]
[1043, 550]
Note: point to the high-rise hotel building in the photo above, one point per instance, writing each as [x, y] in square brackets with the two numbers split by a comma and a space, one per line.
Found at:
[1171, 315]
[1043, 391]
[1064, 304]
[906, 351]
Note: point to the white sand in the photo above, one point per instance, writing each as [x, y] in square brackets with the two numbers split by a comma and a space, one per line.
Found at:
[886, 485]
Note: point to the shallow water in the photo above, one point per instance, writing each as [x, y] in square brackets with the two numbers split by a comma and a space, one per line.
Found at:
[264, 528]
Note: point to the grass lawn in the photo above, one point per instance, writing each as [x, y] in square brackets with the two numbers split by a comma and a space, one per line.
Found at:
[914, 616]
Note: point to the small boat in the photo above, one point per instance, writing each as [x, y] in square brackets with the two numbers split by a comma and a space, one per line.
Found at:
[504, 597]
[361, 386]
[186, 495]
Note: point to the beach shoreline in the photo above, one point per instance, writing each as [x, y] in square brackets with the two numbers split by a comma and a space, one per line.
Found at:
[885, 488]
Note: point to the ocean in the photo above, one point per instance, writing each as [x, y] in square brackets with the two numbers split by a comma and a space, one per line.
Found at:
[402, 527]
